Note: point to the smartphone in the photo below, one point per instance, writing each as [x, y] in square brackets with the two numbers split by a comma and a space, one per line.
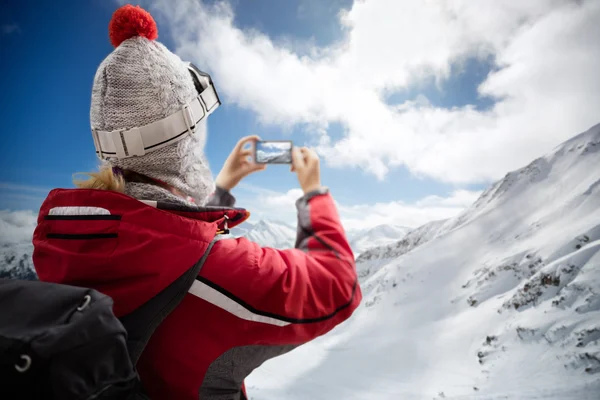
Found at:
[273, 152]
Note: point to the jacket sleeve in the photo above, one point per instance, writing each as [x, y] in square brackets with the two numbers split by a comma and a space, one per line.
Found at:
[220, 198]
[290, 296]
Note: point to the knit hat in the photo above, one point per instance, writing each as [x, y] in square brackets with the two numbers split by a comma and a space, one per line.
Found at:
[141, 82]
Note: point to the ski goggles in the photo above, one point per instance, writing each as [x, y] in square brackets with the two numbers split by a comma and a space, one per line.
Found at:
[137, 141]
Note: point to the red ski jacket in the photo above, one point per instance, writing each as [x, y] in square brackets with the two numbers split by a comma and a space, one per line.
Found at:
[248, 304]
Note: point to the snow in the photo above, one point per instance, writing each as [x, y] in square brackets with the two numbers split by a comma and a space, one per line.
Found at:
[277, 234]
[279, 156]
[16, 234]
[369, 262]
[268, 233]
[378, 236]
[501, 302]
[273, 234]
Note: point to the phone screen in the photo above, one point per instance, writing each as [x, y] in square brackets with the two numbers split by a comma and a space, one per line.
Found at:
[273, 152]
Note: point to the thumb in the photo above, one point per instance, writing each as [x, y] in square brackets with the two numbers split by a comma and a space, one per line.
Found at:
[253, 167]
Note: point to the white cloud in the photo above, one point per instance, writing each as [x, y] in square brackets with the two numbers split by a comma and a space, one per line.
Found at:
[275, 145]
[406, 214]
[547, 86]
[460, 198]
[17, 226]
[268, 204]
[285, 199]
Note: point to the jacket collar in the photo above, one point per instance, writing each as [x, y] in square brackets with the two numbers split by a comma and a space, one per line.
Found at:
[225, 217]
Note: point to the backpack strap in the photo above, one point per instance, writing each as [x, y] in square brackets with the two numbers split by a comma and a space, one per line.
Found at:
[142, 322]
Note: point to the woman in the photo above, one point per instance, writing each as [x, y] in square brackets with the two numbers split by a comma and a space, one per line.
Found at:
[133, 228]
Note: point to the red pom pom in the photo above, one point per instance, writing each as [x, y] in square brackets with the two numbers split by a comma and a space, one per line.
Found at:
[129, 21]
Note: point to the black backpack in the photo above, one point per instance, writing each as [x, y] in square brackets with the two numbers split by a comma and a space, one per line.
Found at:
[64, 342]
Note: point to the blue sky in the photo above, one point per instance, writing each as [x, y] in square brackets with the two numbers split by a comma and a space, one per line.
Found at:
[50, 52]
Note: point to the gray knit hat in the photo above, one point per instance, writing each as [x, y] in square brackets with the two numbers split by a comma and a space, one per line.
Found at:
[141, 82]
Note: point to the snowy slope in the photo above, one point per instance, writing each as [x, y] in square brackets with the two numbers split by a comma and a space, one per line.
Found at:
[502, 301]
[370, 261]
[268, 233]
[375, 237]
[16, 230]
[272, 234]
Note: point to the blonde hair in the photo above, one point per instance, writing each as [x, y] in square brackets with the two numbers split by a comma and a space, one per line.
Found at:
[104, 179]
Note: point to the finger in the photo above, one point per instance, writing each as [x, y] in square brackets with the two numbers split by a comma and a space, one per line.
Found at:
[251, 167]
[305, 155]
[310, 156]
[259, 167]
[249, 163]
[247, 152]
[246, 139]
[297, 158]
[305, 151]
[251, 138]
[248, 160]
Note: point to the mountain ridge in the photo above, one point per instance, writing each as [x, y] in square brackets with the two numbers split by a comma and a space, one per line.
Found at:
[501, 301]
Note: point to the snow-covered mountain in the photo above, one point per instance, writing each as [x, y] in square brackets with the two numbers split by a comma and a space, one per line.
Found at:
[280, 235]
[280, 156]
[370, 261]
[16, 229]
[268, 233]
[500, 302]
[375, 237]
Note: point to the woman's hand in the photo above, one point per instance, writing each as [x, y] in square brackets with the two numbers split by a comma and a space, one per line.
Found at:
[237, 166]
[305, 163]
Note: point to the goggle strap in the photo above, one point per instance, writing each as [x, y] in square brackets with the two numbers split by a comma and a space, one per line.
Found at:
[138, 141]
